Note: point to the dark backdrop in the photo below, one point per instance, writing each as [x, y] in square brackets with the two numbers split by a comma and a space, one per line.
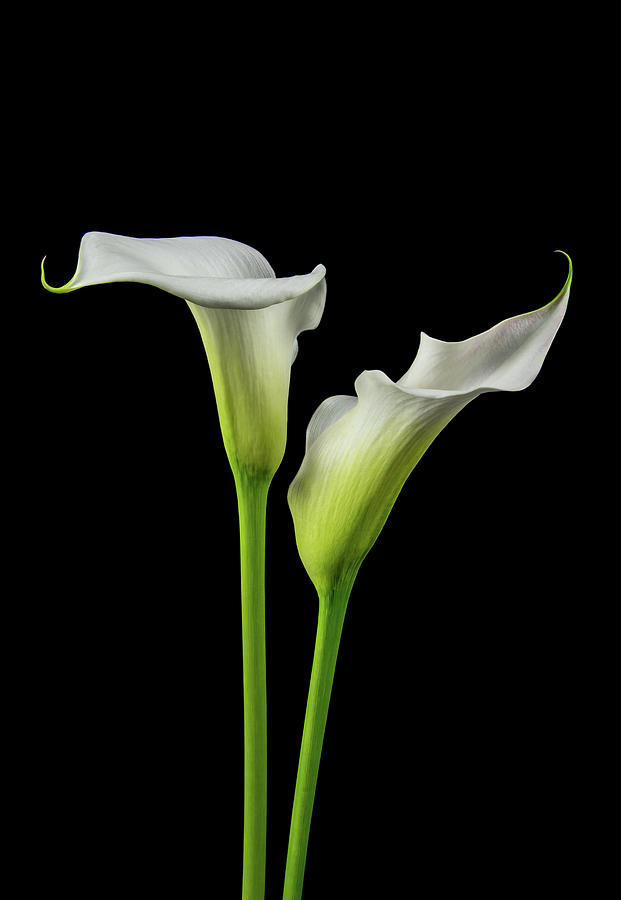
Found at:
[466, 719]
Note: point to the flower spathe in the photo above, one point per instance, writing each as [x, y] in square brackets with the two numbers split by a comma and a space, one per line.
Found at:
[360, 450]
[249, 321]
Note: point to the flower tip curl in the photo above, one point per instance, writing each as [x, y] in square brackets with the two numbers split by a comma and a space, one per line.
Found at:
[43, 281]
[568, 258]
[53, 290]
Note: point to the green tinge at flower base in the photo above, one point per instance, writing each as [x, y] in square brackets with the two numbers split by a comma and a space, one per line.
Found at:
[249, 321]
[359, 452]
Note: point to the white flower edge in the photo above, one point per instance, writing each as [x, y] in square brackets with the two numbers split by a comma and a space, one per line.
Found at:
[213, 272]
[506, 357]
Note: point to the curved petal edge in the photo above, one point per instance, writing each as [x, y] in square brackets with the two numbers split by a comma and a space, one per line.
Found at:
[210, 271]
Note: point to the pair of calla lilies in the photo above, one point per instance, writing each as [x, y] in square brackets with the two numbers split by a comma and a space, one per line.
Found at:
[359, 452]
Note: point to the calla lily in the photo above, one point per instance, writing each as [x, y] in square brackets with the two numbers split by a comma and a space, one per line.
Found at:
[249, 321]
[359, 452]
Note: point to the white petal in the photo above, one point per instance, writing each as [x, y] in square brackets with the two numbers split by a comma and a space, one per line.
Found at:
[330, 411]
[507, 357]
[210, 271]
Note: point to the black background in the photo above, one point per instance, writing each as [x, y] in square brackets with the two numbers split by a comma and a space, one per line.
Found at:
[468, 721]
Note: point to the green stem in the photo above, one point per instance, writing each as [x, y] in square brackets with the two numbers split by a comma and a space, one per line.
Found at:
[252, 504]
[329, 627]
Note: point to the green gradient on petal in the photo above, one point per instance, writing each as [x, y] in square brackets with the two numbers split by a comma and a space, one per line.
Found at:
[55, 290]
[355, 467]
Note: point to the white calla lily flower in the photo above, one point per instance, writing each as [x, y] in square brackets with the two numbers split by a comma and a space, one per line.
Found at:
[359, 452]
[249, 321]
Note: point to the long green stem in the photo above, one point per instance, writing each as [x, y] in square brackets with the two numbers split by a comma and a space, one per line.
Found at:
[252, 504]
[329, 627]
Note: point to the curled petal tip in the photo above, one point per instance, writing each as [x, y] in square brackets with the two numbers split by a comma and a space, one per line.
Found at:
[54, 290]
[43, 281]
[568, 280]
[568, 257]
